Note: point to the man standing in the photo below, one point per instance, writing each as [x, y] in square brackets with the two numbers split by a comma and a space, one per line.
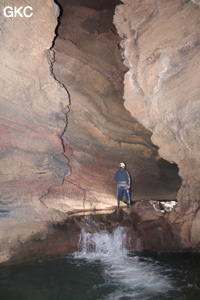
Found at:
[123, 184]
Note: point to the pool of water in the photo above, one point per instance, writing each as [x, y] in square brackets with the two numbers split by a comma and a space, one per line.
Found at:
[104, 270]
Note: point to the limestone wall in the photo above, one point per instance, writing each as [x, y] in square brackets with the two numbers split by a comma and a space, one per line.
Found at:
[100, 131]
[160, 46]
[33, 107]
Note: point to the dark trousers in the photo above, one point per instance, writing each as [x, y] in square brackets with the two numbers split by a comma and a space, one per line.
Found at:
[120, 191]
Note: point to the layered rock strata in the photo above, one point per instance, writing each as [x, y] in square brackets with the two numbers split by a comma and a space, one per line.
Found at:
[160, 46]
[100, 131]
[33, 107]
[38, 185]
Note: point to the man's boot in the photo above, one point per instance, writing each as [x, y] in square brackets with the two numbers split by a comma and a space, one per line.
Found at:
[128, 203]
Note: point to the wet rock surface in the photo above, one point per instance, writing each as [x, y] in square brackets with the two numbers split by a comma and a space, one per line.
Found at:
[145, 227]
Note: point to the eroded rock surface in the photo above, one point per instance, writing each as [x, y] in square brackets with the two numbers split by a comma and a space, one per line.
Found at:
[161, 43]
[33, 107]
[38, 186]
[100, 131]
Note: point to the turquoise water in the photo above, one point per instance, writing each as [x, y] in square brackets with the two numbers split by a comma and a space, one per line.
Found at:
[104, 270]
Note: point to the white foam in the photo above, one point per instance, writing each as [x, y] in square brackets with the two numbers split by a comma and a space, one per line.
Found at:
[102, 245]
[134, 277]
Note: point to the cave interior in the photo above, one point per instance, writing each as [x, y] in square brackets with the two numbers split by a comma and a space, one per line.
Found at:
[100, 131]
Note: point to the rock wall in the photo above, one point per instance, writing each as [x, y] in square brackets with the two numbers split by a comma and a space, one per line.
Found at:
[100, 131]
[160, 46]
[53, 164]
[33, 107]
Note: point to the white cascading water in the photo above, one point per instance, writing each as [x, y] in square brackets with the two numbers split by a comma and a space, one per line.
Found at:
[102, 245]
[135, 277]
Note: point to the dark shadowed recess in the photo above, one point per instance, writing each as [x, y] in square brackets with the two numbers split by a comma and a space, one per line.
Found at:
[94, 4]
[98, 5]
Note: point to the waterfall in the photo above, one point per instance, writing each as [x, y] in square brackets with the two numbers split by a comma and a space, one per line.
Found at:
[102, 245]
[135, 277]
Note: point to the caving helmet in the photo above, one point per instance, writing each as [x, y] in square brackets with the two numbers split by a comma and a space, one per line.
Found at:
[121, 164]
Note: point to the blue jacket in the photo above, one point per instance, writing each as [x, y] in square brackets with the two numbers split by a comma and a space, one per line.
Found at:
[122, 177]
